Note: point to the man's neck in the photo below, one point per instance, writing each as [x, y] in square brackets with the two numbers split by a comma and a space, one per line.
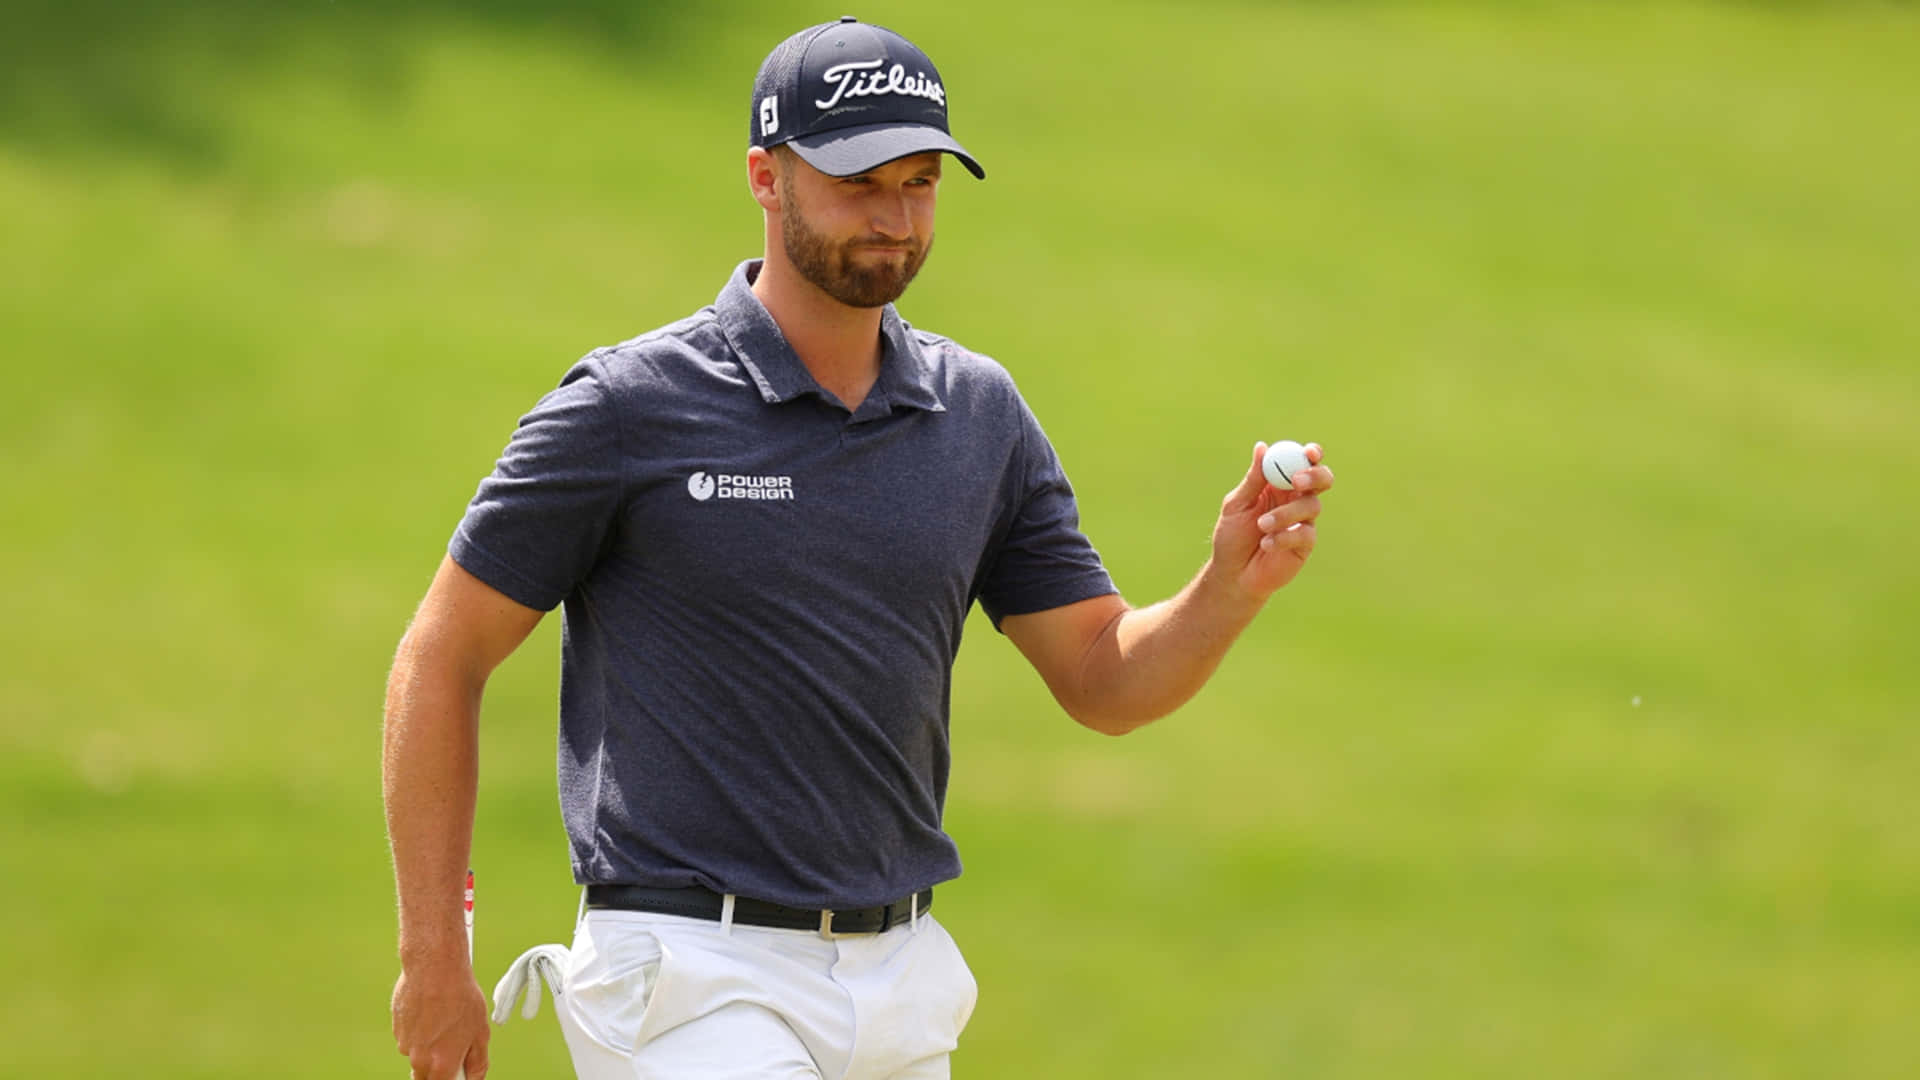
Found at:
[840, 345]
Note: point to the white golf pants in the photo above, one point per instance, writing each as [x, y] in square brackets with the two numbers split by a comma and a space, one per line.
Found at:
[642, 996]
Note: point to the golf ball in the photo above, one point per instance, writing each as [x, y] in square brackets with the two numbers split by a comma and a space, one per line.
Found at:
[1281, 461]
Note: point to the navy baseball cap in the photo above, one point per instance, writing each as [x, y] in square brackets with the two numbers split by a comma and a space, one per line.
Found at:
[849, 96]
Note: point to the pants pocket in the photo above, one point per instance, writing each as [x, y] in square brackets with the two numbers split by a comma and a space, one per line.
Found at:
[612, 971]
[966, 987]
[945, 986]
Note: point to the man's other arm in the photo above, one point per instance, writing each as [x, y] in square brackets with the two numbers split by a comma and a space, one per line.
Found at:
[430, 769]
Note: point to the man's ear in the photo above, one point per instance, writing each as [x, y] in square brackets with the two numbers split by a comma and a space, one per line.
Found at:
[763, 177]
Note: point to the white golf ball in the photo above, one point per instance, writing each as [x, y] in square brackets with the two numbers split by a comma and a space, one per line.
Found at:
[1281, 461]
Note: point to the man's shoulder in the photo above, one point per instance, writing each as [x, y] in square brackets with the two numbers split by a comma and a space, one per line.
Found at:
[941, 348]
[687, 350]
[960, 368]
[697, 335]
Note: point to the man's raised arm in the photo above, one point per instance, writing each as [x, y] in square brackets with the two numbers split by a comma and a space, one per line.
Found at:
[1113, 667]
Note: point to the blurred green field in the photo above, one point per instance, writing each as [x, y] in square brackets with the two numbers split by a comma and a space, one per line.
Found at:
[1585, 748]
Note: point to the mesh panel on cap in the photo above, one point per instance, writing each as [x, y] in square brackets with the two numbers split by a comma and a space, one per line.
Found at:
[779, 71]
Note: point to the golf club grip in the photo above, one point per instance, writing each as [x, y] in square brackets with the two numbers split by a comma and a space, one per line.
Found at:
[461, 1072]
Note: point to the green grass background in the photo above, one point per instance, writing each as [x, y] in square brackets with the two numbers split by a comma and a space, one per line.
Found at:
[1585, 747]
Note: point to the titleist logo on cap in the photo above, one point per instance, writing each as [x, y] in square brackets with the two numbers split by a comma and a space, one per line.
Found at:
[863, 78]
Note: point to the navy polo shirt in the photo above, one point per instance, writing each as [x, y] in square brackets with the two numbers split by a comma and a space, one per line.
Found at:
[764, 595]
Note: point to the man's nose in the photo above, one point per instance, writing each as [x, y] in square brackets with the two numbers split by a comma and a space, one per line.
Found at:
[891, 220]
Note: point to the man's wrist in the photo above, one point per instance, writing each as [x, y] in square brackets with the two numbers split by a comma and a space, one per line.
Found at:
[425, 952]
[1219, 590]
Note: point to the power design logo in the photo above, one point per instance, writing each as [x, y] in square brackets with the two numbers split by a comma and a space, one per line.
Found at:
[703, 487]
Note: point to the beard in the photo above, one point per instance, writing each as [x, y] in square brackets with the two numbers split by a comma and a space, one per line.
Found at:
[832, 268]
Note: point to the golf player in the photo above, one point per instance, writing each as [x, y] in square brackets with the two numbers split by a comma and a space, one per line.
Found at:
[766, 524]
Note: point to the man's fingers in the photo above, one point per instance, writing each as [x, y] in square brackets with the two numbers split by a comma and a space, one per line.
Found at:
[1302, 510]
[1312, 480]
[1242, 497]
[423, 1066]
[1298, 538]
[442, 1062]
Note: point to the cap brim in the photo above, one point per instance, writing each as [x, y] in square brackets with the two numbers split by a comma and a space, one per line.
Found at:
[854, 150]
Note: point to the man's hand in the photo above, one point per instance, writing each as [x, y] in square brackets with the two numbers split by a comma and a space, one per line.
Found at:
[1264, 534]
[440, 1021]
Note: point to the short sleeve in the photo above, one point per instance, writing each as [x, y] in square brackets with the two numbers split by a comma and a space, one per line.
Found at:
[1043, 561]
[539, 522]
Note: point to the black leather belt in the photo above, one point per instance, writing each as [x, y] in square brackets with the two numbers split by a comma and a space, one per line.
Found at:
[699, 903]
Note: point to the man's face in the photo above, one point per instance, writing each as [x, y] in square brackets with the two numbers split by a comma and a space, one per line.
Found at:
[859, 239]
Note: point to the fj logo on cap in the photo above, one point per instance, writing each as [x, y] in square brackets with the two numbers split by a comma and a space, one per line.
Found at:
[864, 79]
[769, 115]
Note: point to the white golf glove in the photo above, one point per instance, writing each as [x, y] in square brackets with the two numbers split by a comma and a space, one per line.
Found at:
[547, 962]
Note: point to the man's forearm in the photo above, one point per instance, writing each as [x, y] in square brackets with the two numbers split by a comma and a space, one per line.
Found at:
[430, 774]
[1149, 661]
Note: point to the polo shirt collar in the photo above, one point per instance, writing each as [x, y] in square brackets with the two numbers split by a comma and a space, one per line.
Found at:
[906, 378]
